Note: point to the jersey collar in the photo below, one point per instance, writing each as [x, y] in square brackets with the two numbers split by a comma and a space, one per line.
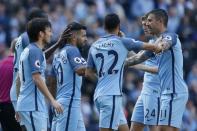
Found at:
[109, 35]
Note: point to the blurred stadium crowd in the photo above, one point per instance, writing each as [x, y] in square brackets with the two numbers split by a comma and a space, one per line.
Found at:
[182, 20]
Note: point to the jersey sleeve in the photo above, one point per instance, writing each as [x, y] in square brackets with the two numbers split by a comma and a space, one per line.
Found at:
[75, 58]
[90, 63]
[35, 59]
[25, 40]
[170, 38]
[132, 44]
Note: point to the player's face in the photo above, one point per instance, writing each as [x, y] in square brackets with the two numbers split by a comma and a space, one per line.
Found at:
[81, 38]
[47, 35]
[153, 24]
[144, 26]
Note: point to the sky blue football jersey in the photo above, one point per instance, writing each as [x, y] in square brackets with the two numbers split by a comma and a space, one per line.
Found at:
[107, 56]
[151, 83]
[30, 98]
[22, 42]
[170, 64]
[65, 63]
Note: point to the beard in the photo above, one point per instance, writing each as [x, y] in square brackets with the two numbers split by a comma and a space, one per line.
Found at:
[45, 43]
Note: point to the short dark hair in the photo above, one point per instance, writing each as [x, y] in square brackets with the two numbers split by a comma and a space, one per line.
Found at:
[144, 17]
[35, 26]
[75, 26]
[111, 22]
[160, 14]
[36, 13]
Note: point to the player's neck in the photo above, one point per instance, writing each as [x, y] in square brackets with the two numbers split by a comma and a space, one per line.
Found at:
[115, 32]
[73, 42]
[162, 30]
[40, 44]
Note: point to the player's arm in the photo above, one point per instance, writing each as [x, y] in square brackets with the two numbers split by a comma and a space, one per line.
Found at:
[90, 72]
[18, 84]
[52, 85]
[35, 58]
[151, 47]
[78, 63]
[131, 53]
[132, 44]
[146, 68]
[91, 75]
[139, 58]
[48, 52]
[40, 84]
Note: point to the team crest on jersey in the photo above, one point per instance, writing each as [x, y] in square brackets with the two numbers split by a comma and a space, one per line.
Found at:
[77, 60]
[37, 63]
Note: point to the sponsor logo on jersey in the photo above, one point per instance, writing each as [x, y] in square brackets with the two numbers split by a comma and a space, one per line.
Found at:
[37, 63]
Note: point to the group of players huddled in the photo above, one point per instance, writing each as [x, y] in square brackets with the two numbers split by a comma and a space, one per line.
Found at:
[164, 94]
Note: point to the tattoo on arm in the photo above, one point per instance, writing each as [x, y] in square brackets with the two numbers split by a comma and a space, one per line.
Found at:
[136, 59]
[131, 53]
[166, 45]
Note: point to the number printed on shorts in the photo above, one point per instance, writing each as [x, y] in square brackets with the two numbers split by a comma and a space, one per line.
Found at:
[150, 113]
[163, 114]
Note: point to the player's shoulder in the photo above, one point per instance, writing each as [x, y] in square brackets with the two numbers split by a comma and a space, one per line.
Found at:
[69, 47]
[170, 35]
[33, 48]
[25, 37]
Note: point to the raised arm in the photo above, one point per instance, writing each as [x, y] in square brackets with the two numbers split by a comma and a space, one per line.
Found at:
[48, 52]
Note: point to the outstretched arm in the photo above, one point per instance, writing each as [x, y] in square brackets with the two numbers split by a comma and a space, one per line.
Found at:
[146, 68]
[137, 58]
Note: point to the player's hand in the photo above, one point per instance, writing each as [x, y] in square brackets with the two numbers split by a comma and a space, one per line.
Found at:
[57, 107]
[121, 34]
[164, 45]
[17, 117]
[65, 35]
[158, 45]
[158, 49]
